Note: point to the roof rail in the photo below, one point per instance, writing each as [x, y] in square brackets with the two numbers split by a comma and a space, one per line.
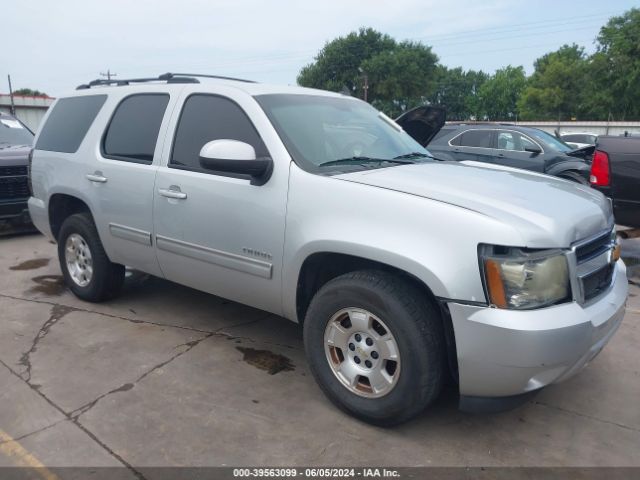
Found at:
[165, 77]
[202, 75]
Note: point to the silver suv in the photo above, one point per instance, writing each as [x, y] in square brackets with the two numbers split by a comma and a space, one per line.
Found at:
[402, 269]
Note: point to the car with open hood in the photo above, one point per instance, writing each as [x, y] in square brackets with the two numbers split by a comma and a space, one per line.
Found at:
[402, 269]
[498, 144]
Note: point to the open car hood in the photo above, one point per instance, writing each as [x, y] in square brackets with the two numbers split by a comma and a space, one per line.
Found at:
[585, 152]
[422, 123]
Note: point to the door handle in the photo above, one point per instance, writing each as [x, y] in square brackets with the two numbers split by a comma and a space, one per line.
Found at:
[96, 177]
[172, 192]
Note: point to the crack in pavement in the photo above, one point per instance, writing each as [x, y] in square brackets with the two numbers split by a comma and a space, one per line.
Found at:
[128, 386]
[57, 312]
[76, 422]
[216, 332]
[35, 432]
[584, 415]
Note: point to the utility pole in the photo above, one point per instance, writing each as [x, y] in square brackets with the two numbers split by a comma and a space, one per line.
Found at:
[366, 86]
[109, 74]
[13, 107]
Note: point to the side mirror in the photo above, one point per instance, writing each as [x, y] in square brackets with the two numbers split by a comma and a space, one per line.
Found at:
[235, 157]
[533, 149]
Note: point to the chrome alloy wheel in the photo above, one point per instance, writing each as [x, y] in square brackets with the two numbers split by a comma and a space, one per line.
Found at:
[362, 352]
[79, 262]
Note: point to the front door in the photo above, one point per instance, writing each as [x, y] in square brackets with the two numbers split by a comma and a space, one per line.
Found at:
[511, 151]
[214, 232]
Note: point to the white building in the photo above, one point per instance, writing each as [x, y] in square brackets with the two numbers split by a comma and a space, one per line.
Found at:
[29, 110]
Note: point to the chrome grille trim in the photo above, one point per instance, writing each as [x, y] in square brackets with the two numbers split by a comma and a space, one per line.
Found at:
[589, 257]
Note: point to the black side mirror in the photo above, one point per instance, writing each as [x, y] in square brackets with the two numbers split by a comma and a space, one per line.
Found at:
[533, 149]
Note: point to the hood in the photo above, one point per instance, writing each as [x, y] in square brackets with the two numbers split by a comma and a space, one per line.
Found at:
[14, 155]
[422, 123]
[547, 212]
[584, 152]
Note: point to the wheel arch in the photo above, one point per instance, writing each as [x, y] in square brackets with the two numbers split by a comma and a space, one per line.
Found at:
[61, 206]
[320, 267]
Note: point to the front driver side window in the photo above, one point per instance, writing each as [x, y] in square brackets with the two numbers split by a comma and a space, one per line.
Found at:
[208, 117]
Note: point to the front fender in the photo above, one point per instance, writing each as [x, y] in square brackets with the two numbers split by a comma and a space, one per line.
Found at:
[434, 241]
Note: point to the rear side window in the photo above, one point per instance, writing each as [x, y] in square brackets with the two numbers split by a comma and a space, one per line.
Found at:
[209, 117]
[133, 130]
[69, 122]
[475, 138]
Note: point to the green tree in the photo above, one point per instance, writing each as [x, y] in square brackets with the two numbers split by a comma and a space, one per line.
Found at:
[617, 66]
[401, 78]
[554, 90]
[500, 93]
[339, 62]
[400, 75]
[457, 91]
[29, 92]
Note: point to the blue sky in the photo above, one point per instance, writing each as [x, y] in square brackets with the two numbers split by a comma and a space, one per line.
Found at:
[64, 43]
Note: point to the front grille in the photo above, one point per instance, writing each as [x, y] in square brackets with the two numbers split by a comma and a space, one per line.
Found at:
[597, 282]
[594, 268]
[13, 188]
[594, 248]
[13, 171]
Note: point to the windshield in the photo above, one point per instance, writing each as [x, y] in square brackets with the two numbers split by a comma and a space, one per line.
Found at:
[332, 134]
[550, 141]
[12, 132]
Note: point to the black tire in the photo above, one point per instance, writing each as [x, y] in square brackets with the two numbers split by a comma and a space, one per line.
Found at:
[107, 278]
[575, 177]
[416, 325]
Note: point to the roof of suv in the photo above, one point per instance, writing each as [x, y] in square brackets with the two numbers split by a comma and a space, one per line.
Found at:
[180, 80]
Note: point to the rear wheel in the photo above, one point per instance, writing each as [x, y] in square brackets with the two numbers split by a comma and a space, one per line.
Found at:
[375, 346]
[87, 270]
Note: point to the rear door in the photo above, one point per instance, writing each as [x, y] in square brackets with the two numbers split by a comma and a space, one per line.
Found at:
[510, 151]
[216, 232]
[123, 177]
[474, 144]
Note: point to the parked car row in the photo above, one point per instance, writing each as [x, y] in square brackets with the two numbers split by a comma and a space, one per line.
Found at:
[403, 269]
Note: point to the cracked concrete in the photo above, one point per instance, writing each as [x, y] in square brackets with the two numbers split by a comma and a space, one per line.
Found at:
[158, 378]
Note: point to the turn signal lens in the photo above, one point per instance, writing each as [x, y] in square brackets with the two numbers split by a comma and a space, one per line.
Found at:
[495, 284]
[615, 255]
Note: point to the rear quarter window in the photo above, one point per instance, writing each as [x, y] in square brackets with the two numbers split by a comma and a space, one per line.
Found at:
[69, 122]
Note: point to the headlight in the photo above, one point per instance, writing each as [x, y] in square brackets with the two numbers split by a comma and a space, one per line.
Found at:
[523, 279]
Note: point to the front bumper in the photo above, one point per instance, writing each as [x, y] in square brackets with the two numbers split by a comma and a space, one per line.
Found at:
[508, 353]
[14, 210]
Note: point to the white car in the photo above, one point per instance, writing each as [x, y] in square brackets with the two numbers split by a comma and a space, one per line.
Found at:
[579, 140]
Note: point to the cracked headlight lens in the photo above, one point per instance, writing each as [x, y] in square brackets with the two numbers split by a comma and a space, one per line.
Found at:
[524, 279]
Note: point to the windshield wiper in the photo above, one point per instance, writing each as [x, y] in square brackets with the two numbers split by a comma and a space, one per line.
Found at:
[412, 155]
[364, 160]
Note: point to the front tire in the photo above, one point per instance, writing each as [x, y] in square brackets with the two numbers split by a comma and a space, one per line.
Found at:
[86, 269]
[375, 345]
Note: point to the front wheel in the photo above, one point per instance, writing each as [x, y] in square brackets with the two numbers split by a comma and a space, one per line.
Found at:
[87, 270]
[375, 345]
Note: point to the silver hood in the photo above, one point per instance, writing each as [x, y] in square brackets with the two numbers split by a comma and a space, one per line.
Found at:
[546, 211]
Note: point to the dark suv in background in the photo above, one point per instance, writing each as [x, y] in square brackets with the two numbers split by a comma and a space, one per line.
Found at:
[512, 146]
[15, 144]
